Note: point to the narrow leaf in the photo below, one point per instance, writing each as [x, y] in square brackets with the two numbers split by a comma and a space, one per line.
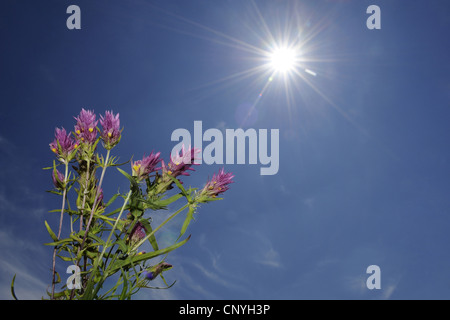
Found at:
[58, 278]
[168, 286]
[149, 230]
[122, 245]
[180, 186]
[129, 261]
[57, 243]
[112, 200]
[12, 288]
[130, 178]
[168, 201]
[52, 234]
[123, 294]
[187, 221]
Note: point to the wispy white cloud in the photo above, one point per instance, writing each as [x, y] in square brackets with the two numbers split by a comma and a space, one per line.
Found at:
[387, 292]
[270, 258]
[27, 285]
[213, 268]
[187, 285]
[222, 126]
[210, 273]
[17, 258]
[309, 202]
[357, 285]
[265, 253]
[29, 203]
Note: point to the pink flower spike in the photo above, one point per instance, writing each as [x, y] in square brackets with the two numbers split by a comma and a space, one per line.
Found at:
[142, 168]
[179, 164]
[110, 132]
[85, 128]
[63, 144]
[218, 184]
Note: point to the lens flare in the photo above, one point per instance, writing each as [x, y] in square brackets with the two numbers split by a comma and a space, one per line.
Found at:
[283, 59]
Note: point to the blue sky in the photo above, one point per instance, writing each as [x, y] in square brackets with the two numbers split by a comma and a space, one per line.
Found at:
[364, 163]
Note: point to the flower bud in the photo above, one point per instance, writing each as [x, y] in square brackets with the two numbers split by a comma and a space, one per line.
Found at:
[58, 179]
[154, 271]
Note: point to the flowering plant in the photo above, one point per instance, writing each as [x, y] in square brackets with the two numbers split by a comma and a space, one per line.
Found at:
[103, 242]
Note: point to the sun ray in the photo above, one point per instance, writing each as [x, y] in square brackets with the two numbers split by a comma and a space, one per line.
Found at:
[234, 42]
[286, 52]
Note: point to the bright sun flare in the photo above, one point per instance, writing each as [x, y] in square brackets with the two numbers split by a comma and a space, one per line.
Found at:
[283, 59]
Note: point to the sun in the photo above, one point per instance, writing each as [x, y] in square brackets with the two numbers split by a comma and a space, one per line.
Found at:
[283, 59]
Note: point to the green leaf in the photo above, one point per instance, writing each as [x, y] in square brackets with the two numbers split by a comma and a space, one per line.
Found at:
[180, 186]
[100, 160]
[91, 255]
[57, 295]
[153, 205]
[12, 288]
[58, 278]
[118, 164]
[187, 221]
[149, 230]
[55, 192]
[95, 238]
[57, 243]
[122, 245]
[95, 143]
[126, 175]
[76, 237]
[123, 294]
[65, 293]
[103, 217]
[65, 258]
[168, 201]
[168, 286]
[127, 207]
[56, 175]
[112, 200]
[90, 291]
[52, 234]
[130, 178]
[142, 257]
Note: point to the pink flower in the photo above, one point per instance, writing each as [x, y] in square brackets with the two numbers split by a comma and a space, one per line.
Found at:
[85, 128]
[142, 168]
[111, 132]
[179, 164]
[63, 144]
[217, 185]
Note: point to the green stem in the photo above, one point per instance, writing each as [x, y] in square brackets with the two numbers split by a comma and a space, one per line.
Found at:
[83, 204]
[97, 262]
[160, 226]
[105, 165]
[95, 199]
[105, 275]
[85, 193]
[115, 225]
[60, 227]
